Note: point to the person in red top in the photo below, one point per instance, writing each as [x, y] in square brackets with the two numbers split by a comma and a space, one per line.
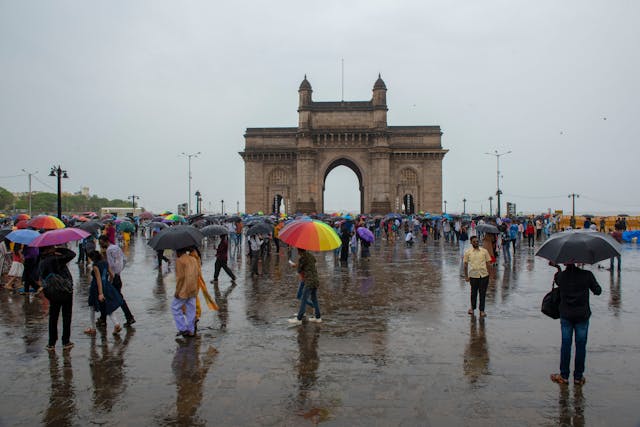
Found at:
[110, 231]
[530, 232]
[222, 256]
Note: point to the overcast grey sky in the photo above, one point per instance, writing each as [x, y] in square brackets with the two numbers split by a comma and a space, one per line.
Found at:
[115, 91]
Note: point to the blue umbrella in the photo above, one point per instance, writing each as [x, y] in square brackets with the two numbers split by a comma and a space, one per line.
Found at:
[23, 237]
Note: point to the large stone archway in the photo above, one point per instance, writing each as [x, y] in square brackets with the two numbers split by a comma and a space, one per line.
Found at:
[391, 162]
[342, 161]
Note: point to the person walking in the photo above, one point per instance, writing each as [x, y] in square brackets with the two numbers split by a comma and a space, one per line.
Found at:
[530, 232]
[222, 256]
[463, 238]
[255, 244]
[54, 261]
[505, 238]
[17, 268]
[187, 273]
[160, 256]
[103, 296]
[477, 263]
[30, 274]
[115, 259]
[575, 284]
[309, 275]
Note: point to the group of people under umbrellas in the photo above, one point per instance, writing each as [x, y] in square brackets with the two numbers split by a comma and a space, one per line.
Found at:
[572, 248]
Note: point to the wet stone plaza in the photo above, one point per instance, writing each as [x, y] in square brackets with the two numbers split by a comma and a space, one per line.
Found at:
[396, 348]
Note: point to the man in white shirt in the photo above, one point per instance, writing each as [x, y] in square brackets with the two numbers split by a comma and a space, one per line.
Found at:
[255, 242]
[115, 258]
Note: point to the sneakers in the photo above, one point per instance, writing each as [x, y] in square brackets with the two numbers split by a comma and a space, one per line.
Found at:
[315, 319]
[295, 321]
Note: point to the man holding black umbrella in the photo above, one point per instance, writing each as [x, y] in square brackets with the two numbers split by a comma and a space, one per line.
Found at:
[575, 284]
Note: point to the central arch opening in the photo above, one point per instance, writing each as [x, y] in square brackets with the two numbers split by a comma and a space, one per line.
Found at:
[342, 188]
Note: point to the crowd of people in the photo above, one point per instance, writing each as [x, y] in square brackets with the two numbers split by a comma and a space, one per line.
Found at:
[29, 269]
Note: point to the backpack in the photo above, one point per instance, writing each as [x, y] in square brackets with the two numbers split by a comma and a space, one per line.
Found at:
[57, 288]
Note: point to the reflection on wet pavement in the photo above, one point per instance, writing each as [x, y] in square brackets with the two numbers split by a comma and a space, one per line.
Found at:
[396, 347]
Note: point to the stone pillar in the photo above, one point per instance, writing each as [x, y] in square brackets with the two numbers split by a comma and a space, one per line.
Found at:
[379, 194]
[431, 197]
[307, 198]
[254, 185]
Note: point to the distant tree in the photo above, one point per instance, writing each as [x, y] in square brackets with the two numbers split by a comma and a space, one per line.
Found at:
[6, 199]
[48, 203]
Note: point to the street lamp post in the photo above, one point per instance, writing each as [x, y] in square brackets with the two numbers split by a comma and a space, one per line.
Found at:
[60, 173]
[198, 201]
[29, 174]
[133, 198]
[189, 156]
[222, 206]
[445, 206]
[498, 192]
[464, 206]
[573, 208]
[490, 205]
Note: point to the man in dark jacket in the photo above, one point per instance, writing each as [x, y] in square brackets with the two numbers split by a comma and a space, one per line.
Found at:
[574, 284]
[222, 256]
[54, 261]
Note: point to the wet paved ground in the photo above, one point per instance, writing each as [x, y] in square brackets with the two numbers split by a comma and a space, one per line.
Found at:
[396, 348]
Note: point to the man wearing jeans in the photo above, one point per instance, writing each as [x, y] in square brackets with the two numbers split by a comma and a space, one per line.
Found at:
[574, 284]
[309, 275]
[477, 262]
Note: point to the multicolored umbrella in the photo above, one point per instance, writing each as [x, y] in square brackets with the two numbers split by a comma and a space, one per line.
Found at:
[58, 237]
[310, 234]
[45, 222]
[24, 237]
[175, 218]
[20, 217]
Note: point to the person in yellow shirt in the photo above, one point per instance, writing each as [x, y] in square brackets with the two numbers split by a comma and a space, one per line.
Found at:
[276, 235]
[477, 263]
[187, 274]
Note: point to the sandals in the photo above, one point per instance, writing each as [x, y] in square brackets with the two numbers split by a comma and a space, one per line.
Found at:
[580, 381]
[559, 379]
[117, 329]
[90, 331]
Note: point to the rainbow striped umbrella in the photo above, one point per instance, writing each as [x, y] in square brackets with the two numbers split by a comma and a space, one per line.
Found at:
[310, 234]
[45, 222]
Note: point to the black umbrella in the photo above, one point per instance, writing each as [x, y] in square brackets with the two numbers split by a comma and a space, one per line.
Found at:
[4, 232]
[260, 228]
[155, 224]
[579, 247]
[487, 228]
[214, 230]
[90, 226]
[178, 237]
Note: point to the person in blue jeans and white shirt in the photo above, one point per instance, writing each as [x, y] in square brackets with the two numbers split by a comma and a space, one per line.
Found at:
[575, 284]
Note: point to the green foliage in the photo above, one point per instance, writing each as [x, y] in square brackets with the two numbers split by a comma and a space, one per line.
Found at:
[71, 203]
[6, 199]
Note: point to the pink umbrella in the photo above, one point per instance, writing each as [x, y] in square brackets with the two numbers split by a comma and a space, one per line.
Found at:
[58, 237]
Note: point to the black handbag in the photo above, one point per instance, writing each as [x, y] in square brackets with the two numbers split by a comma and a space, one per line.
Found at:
[57, 288]
[551, 302]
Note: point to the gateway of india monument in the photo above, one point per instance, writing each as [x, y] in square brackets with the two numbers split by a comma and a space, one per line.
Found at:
[399, 168]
